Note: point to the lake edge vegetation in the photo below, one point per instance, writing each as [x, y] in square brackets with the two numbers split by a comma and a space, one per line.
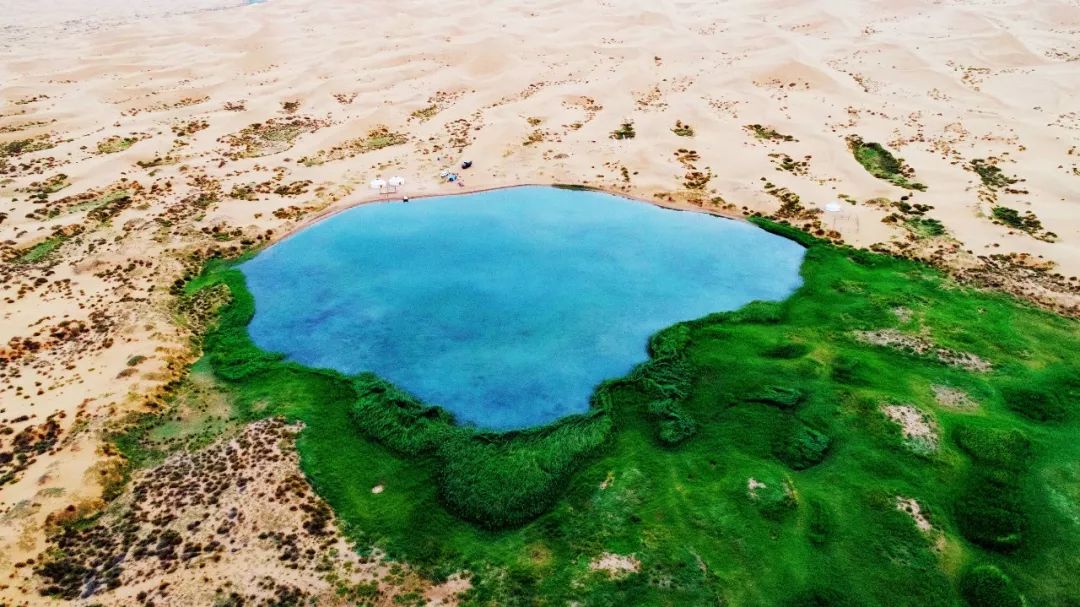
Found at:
[740, 427]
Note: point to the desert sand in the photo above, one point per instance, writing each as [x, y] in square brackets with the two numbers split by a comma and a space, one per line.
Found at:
[134, 142]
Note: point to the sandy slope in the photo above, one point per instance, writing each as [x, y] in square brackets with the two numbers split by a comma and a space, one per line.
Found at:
[940, 83]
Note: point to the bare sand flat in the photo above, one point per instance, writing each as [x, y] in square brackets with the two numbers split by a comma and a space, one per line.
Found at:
[135, 140]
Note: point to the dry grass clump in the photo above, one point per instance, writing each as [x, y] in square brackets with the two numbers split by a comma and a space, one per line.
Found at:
[376, 139]
[682, 129]
[274, 136]
[115, 144]
[766, 133]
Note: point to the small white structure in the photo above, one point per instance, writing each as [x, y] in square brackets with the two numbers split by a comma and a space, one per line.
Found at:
[378, 184]
[397, 181]
[838, 212]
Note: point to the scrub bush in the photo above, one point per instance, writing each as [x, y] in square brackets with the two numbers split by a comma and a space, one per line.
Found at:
[495, 480]
[788, 350]
[1008, 449]
[803, 447]
[777, 396]
[989, 512]
[988, 586]
[666, 381]
[820, 525]
[1034, 403]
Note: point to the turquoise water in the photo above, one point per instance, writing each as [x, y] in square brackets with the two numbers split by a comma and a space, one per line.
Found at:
[507, 308]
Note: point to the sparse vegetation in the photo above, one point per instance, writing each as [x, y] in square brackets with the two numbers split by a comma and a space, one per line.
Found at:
[625, 131]
[534, 137]
[43, 249]
[156, 161]
[115, 144]
[186, 129]
[990, 174]
[881, 163]
[41, 190]
[376, 139]
[270, 137]
[786, 163]
[18, 147]
[683, 130]
[1026, 222]
[767, 133]
[426, 113]
[925, 227]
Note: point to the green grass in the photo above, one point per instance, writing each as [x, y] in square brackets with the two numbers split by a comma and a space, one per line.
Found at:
[10, 149]
[115, 144]
[767, 133]
[682, 129]
[660, 468]
[925, 227]
[881, 163]
[43, 249]
[1026, 222]
[990, 174]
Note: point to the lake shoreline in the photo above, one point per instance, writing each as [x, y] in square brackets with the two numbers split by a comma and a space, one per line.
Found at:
[309, 220]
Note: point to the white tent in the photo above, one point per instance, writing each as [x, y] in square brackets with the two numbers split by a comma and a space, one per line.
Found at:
[378, 184]
[397, 181]
[839, 212]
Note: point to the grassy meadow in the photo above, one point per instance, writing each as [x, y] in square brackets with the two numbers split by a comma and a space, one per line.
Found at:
[750, 461]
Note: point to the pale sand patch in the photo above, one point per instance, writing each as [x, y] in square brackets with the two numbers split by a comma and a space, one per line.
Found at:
[914, 510]
[953, 398]
[917, 344]
[752, 486]
[616, 565]
[919, 430]
[902, 313]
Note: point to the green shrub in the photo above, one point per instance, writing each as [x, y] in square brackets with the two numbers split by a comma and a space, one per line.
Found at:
[880, 163]
[777, 396]
[674, 424]
[1034, 402]
[820, 525]
[625, 131]
[505, 480]
[818, 597]
[989, 512]
[990, 174]
[495, 480]
[849, 370]
[803, 447]
[988, 586]
[788, 350]
[787, 231]
[1027, 222]
[774, 502]
[1008, 449]
[397, 419]
[925, 227]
